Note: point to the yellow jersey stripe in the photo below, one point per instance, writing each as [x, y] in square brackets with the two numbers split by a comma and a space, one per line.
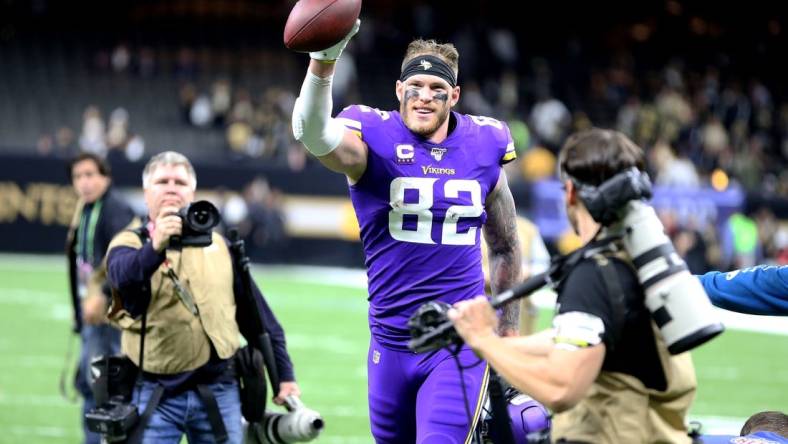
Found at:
[511, 155]
[571, 341]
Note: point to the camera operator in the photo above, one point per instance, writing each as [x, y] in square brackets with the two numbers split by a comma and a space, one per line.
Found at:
[100, 214]
[603, 367]
[187, 298]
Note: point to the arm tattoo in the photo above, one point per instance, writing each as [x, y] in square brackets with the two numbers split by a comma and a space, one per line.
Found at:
[500, 232]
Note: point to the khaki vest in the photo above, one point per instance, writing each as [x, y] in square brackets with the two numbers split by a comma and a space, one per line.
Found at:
[619, 408]
[175, 339]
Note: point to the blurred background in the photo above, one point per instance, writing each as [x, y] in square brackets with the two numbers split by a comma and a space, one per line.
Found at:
[700, 85]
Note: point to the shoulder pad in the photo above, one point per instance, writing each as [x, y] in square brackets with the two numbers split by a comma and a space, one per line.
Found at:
[356, 117]
[498, 132]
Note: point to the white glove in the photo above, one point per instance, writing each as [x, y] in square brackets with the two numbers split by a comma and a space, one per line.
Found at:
[333, 53]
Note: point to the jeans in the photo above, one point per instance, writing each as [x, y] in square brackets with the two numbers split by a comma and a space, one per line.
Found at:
[97, 340]
[185, 413]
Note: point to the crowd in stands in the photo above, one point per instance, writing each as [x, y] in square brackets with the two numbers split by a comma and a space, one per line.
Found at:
[707, 123]
[112, 139]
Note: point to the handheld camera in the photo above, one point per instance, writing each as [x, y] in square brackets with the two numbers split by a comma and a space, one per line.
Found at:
[199, 218]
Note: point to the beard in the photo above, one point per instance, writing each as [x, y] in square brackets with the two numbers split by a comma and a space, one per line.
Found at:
[424, 129]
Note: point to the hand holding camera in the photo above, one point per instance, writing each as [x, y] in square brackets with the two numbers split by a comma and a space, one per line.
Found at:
[167, 224]
[299, 424]
[287, 390]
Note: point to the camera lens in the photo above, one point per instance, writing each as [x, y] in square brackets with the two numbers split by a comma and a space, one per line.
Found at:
[202, 216]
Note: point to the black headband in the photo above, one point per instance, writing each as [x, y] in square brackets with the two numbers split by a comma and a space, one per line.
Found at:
[430, 65]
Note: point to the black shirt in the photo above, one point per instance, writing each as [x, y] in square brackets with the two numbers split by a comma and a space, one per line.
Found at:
[113, 215]
[629, 339]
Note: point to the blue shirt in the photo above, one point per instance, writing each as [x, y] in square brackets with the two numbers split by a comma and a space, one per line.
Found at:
[761, 290]
[752, 438]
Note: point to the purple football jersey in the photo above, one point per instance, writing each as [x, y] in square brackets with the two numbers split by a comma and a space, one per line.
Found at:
[420, 206]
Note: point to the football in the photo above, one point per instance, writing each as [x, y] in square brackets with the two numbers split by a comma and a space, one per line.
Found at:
[318, 24]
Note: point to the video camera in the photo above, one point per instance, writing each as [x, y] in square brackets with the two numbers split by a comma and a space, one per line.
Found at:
[199, 218]
[299, 424]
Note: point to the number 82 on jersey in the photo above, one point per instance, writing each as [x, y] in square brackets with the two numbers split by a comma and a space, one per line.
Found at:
[422, 210]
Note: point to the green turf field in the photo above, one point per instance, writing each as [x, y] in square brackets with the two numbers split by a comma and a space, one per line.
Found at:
[739, 373]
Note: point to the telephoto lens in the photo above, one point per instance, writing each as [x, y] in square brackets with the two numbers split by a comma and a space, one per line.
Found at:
[299, 424]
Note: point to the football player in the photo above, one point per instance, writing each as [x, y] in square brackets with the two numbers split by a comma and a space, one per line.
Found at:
[425, 182]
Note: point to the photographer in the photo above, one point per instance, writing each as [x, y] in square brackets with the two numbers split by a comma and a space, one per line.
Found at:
[184, 300]
[100, 214]
[603, 368]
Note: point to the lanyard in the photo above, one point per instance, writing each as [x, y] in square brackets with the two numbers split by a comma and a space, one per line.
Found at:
[87, 232]
[181, 291]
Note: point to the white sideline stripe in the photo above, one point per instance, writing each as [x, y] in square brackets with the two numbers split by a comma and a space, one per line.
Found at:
[357, 278]
[26, 296]
[32, 262]
[30, 361]
[48, 431]
[335, 276]
[38, 400]
[545, 298]
[334, 344]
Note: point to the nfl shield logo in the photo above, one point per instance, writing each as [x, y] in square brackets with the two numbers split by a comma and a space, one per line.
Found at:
[438, 153]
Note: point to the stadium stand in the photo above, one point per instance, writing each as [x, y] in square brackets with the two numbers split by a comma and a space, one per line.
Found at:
[692, 82]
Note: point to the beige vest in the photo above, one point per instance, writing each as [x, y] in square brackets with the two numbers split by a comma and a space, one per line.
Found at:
[620, 409]
[175, 339]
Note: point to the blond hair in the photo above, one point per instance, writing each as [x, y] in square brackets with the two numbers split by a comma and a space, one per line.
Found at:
[444, 51]
[168, 158]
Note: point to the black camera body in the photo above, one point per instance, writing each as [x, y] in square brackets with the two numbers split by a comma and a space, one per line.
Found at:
[114, 416]
[113, 420]
[199, 218]
[431, 319]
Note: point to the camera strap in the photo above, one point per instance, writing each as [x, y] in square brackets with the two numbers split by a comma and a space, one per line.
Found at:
[137, 432]
[64, 372]
[615, 293]
[214, 416]
[501, 432]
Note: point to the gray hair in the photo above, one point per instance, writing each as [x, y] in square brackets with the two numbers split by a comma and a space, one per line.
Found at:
[168, 158]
